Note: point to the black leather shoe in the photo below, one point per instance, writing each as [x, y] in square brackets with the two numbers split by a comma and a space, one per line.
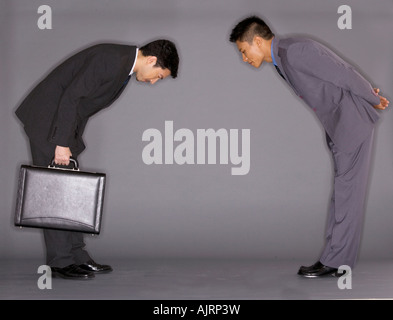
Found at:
[72, 272]
[316, 265]
[92, 266]
[317, 270]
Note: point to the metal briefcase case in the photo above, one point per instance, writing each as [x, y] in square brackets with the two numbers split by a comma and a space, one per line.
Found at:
[64, 199]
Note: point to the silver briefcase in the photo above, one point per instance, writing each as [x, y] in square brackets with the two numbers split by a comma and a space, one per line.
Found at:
[63, 199]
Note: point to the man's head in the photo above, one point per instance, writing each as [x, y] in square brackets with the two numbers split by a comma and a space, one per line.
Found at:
[156, 60]
[253, 38]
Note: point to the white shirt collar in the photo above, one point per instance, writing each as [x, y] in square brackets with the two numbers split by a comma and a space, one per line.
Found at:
[136, 56]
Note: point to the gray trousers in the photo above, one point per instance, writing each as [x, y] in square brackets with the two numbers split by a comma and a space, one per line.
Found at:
[63, 248]
[346, 212]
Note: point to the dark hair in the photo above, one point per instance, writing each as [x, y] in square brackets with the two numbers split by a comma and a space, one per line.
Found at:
[166, 53]
[250, 27]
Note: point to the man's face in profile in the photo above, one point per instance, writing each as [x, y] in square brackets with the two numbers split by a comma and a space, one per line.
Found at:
[251, 53]
[149, 72]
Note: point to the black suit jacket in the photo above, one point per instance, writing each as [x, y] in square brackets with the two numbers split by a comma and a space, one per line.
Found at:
[57, 109]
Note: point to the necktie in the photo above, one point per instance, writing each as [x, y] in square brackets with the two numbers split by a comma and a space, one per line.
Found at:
[279, 71]
[123, 85]
[125, 82]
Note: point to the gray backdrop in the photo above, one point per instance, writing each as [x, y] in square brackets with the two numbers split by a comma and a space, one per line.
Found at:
[278, 210]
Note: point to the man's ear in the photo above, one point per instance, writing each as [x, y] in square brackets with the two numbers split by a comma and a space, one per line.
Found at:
[258, 41]
[151, 60]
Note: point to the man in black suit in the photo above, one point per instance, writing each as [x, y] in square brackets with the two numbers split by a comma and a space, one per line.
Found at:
[55, 114]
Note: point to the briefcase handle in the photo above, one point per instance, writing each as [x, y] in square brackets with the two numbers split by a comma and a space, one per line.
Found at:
[74, 161]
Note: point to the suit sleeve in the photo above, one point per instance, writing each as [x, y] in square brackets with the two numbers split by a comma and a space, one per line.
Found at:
[86, 81]
[321, 63]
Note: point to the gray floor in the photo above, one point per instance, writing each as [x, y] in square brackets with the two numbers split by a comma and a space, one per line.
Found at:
[198, 280]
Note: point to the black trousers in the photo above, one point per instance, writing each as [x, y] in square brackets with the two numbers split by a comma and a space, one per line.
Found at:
[62, 247]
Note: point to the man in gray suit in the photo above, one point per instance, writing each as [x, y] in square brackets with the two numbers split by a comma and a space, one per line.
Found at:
[345, 103]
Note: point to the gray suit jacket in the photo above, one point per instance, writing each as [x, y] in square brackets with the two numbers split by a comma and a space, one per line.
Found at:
[341, 98]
